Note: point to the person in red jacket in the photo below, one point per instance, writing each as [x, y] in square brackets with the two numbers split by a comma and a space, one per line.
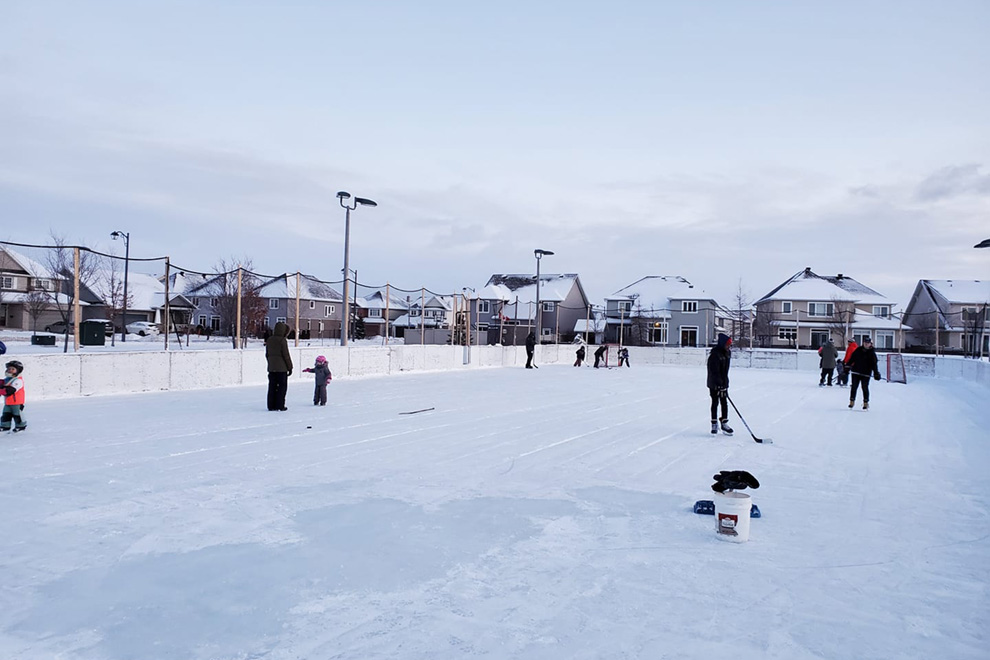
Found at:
[844, 374]
[13, 389]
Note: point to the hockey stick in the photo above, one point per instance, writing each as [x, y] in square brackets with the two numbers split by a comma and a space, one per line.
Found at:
[413, 412]
[762, 441]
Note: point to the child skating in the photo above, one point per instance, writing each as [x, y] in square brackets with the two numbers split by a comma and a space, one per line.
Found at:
[13, 409]
[323, 376]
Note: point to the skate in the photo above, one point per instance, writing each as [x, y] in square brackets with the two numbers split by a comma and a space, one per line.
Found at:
[18, 430]
[726, 429]
[866, 405]
[714, 428]
[852, 402]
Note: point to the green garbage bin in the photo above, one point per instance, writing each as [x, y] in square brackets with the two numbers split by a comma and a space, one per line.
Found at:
[92, 333]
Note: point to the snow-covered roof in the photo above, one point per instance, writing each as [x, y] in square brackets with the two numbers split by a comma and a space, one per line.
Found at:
[406, 321]
[594, 325]
[806, 285]
[284, 286]
[32, 267]
[377, 300]
[653, 293]
[553, 288]
[432, 302]
[961, 291]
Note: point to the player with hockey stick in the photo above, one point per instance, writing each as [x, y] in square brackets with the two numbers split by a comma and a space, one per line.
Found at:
[718, 383]
[862, 364]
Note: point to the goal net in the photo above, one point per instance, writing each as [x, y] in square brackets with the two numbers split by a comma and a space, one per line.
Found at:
[895, 368]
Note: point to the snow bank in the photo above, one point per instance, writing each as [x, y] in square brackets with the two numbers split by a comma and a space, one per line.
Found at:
[70, 375]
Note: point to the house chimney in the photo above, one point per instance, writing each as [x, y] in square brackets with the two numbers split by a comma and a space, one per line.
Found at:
[839, 276]
[807, 271]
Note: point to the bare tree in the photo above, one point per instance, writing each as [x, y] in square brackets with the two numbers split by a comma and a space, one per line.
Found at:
[61, 264]
[740, 326]
[843, 314]
[223, 287]
[36, 303]
[111, 289]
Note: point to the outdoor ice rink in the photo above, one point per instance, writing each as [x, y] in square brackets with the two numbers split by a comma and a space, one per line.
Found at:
[539, 514]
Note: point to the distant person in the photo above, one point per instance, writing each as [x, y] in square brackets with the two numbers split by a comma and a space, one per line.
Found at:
[718, 383]
[828, 353]
[862, 363]
[624, 356]
[322, 372]
[530, 349]
[851, 346]
[580, 356]
[279, 366]
[13, 405]
[600, 354]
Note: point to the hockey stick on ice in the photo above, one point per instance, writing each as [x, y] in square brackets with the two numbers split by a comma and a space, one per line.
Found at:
[762, 441]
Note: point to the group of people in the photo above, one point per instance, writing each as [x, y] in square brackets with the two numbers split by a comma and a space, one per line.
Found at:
[600, 352]
[859, 362]
[280, 368]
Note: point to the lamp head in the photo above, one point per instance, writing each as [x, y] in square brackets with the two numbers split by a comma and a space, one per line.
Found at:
[542, 253]
[343, 195]
[365, 201]
[983, 244]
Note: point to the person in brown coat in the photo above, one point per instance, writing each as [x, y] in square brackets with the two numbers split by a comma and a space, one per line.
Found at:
[279, 366]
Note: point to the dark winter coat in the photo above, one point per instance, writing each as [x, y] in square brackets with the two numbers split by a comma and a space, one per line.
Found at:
[277, 350]
[531, 342]
[864, 362]
[600, 353]
[580, 353]
[321, 371]
[718, 367]
[828, 353]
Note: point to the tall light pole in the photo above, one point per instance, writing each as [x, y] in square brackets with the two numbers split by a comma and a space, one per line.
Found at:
[539, 254]
[127, 260]
[342, 196]
[349, 271]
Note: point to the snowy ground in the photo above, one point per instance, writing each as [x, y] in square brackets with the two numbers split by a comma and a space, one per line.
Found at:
[534, 514]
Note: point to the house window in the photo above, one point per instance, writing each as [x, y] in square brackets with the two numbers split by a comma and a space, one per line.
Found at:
[689, 306]
[195, 302]
[280, 319]
[414, 312]
[328, 310]
[885, 339]
[787, 334]
[375, 313]
[546, 332]
[6, 282]
[787, 307]
[202, 320]
[820, 309]
[819, 338]
[859, 337]
[625, 306]
[320, 326]
[484, 307]
[42, 284]
[883, 311]
[214, 302]
[215, 323]
[482, 327]
[548, 306]
[312, 304]
[658, 333]
[689, 335]
[273, 303]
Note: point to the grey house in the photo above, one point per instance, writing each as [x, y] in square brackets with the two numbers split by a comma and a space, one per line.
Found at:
[662, 310]
[506, 308]
[950, 314]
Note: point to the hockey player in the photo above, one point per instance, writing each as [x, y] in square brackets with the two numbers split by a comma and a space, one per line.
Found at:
[13, 409]
[718, 383]
[861, 365]
[600, 354]
[828, 354]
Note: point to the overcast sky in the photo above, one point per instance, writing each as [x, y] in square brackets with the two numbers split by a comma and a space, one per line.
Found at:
[722, 141]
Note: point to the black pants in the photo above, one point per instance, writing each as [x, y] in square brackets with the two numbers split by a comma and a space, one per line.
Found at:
[529, 358]
[278, 383]
[826, 372]
[717, 400]
[320, 394]
[856, 380]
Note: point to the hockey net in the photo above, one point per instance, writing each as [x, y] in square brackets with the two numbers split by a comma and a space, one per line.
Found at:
[895, 368]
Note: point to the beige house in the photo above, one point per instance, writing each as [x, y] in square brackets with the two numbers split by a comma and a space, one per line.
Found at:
[951, 314]
[28, 293]
[808, 309]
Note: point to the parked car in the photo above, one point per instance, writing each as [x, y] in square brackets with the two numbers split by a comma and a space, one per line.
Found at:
[60, 327]
[143, 328]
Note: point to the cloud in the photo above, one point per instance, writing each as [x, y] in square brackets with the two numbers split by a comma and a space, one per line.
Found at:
[953, 181]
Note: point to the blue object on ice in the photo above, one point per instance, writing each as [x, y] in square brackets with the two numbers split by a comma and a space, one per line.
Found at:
[3, 348]
[707, 508]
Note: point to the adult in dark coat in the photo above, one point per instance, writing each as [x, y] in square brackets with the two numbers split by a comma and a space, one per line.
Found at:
[718, 382]
[600, 354]
[279, 366]
[861, 365]
[828, 353]
[530, 349]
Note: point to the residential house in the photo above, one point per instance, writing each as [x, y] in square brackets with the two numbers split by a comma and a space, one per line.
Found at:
[145, 298]
[951, 314]
[807, 309]
[662, 310]
[30, 296]
[506, 307]
[427, 320]
[379, 312]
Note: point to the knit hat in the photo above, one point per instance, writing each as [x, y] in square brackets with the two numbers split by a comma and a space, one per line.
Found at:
[724, 340]
[320, 359]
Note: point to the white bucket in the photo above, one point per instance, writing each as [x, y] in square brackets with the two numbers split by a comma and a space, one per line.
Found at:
[732, 516]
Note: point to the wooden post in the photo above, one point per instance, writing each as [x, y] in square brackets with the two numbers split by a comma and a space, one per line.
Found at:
[467, 318]
[752, 319]
[622, 322]
[556, 323]
[938, 322]
[239, 284]
[422, 316]
[501, 323]
[168, 311]
[587, 323]
[388, 296]
[297, 308]
[75, 298]
[900, 332]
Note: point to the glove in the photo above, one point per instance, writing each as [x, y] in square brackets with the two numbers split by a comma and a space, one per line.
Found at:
[290, 372]
[734, 480]
[876, 376]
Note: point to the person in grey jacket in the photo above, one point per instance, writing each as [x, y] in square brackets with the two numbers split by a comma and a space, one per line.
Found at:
[279, 366]
[829, 354]
[322, 371]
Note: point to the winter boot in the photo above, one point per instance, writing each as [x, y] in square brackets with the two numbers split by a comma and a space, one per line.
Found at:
[726, 429]
[714, 427]
[18, 429]
[866, 405]
[852, 402]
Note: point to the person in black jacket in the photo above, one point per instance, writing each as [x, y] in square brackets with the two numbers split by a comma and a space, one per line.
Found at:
[718, 383]
[279, 366]
[580, 356]
[862, 363]
[530, 348]
[600, 354]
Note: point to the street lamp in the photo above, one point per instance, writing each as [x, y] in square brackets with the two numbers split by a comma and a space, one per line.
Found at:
[539, 254]
[349, 271]
[127, 258]
[347, 245]
[983, 244]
